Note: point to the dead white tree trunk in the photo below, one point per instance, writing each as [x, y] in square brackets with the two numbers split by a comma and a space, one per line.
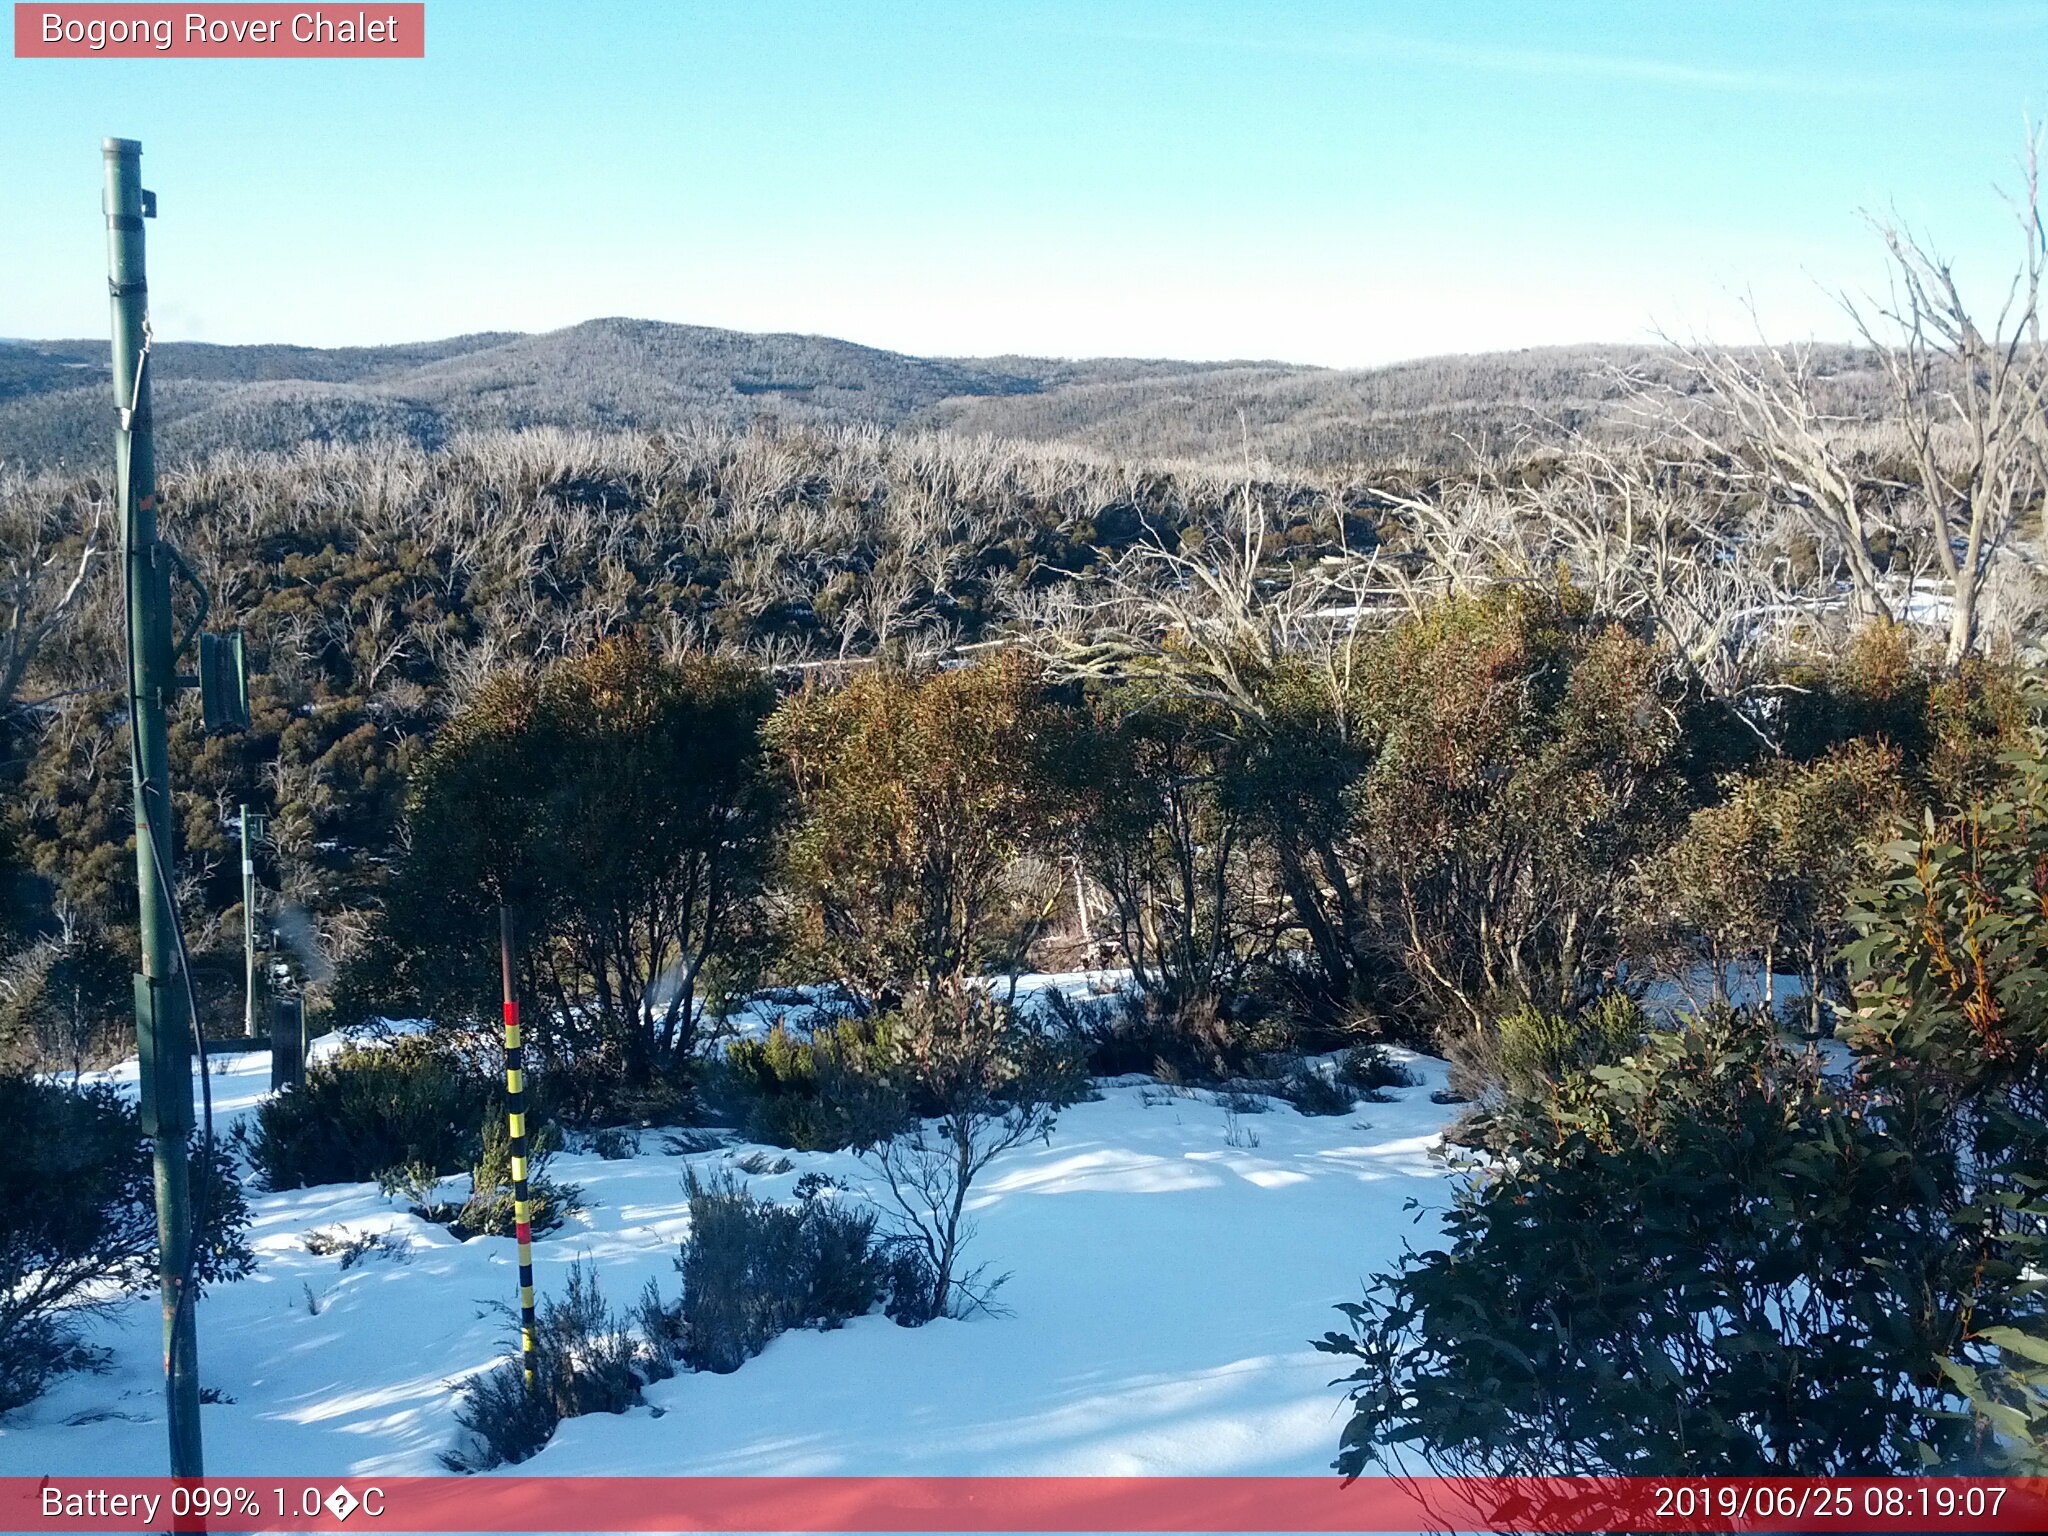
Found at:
[1970, 400]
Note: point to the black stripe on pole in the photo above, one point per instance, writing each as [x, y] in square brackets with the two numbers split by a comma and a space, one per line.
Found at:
[515, 1113]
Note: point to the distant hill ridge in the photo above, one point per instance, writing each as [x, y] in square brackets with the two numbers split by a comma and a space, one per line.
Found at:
[637, 374]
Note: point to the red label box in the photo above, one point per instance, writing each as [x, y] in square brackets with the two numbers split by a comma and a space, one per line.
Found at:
[117, 31]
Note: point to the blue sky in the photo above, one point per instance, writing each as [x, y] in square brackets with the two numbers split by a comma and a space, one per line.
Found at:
[1331, 183]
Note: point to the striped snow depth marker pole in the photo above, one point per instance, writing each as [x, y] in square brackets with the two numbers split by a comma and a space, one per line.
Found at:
[515, 1115]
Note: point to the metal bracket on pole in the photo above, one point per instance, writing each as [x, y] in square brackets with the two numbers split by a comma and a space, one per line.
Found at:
[165, 1057]
[179, 564]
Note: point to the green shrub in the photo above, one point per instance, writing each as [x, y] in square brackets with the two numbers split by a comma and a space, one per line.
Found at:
[1714, 1258]
[615, 1144]
[524, 795]
[1151, 776]
[353, 1248]
[505, 1421]
[78, 1222]
[662, 1332]
[1181, 1039]
[489, 1208]
[914, 799]
[1950, 1029]
[752, 1269]
[40, 1349]
[2006, 1381]
[369, 1109]
[1538, 1048]
[1764, 876]
[994, 1082]
[1952, 726]
[588, 1084]
[585, 1362]
[1457, 832]
[815, 1092]
[909, 1282]
[1314, 1094]
[1708, 1260]
[64, 1004]
[1371, 1071]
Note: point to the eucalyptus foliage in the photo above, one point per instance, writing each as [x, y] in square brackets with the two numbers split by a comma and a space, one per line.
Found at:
[1709, 1258]
[1953, 958]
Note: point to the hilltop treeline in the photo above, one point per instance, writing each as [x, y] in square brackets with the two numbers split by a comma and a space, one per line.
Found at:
[620, 375]
[604, 375]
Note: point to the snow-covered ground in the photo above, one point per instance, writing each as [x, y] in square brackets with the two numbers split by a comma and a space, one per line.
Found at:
[1669, 1000]
[1169, 1261]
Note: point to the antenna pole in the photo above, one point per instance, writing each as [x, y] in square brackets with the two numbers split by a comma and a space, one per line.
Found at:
[162, 1029]
[248, 929]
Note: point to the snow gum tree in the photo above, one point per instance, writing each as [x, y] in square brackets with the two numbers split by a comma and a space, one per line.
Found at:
[1764, 876]
[618, 802]
[1519, 756]
[915, 799]
[916, 802]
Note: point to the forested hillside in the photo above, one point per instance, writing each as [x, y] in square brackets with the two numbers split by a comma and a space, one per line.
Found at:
[1445, 411]
[602, 375]
[610, 375]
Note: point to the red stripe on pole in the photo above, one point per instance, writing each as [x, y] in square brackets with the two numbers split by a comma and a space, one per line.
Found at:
[523, 1231]
[1011, 1504]
[511, 1014]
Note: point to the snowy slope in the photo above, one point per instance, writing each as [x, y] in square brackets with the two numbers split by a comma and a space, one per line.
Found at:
[1167, 1276]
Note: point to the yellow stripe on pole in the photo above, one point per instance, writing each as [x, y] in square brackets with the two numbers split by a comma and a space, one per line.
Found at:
[515, 1110]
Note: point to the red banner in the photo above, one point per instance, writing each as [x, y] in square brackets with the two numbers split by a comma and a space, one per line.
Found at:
[373, 31]
[920, 1504]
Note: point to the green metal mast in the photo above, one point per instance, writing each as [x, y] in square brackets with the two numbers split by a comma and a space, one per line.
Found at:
[162, 1026]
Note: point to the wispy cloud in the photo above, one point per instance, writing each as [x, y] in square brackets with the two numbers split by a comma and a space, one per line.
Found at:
[1606, 66]
[1948, 17]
